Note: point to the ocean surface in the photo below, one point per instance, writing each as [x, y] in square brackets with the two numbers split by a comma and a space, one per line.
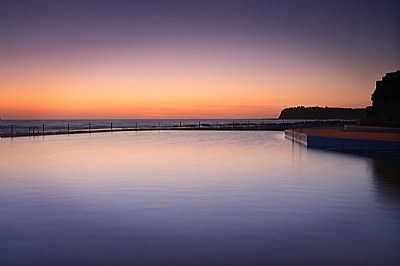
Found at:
[194, 198]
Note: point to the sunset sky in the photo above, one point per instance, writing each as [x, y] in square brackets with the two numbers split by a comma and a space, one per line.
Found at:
[191, 59]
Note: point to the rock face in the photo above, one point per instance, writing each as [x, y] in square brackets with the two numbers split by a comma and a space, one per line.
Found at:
[302, 112]
[386, 99]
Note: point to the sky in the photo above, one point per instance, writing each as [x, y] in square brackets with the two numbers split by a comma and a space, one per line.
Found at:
[191, 59]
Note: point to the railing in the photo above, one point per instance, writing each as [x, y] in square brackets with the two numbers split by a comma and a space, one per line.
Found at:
[58, 128]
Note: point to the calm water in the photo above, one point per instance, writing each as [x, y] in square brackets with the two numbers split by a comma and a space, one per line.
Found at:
[194, 198]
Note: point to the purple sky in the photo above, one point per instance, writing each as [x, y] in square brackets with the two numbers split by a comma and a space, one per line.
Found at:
[345, 38]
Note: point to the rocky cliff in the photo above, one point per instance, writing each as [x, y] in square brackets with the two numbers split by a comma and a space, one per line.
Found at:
[386, 99]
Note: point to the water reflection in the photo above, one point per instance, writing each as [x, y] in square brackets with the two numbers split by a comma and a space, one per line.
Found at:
[386, 173]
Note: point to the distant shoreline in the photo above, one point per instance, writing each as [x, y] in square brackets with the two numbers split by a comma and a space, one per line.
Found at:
[301, 112]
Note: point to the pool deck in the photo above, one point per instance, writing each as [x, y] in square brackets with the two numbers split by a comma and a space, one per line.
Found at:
[370, 140]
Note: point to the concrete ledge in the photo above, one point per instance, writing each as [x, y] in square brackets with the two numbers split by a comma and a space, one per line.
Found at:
[296, 136]
[365, 146]
[266, 127]
[335, 143]
[371, 129]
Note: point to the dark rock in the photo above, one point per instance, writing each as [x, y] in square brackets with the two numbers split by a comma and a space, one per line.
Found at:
[386, 99]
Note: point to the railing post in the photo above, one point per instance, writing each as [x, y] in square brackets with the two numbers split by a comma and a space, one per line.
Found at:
[12, 130]
[180, 124]
[111, 127]
[68, 128]
[43, 128]
[233, 124]
[89, 126]
[199, 124]
[136, 125]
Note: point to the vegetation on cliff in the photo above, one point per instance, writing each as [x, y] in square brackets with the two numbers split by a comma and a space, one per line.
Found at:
[317, 112]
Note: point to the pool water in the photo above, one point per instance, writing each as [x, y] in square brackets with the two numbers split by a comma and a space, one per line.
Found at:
[194, 198]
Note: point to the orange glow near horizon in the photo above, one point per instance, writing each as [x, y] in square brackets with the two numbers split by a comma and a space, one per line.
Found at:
[192, 84]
